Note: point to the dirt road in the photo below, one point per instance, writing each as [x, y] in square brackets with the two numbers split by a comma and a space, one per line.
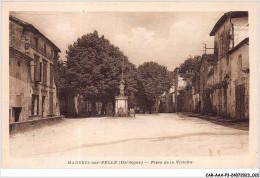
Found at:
[142, 136]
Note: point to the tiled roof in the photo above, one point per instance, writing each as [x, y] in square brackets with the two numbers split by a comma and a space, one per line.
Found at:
[232, 14]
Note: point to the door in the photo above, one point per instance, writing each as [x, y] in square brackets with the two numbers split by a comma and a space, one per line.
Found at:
[17, 112]
[51, 104]
[219, 101]
[43, 105]
[240, 102]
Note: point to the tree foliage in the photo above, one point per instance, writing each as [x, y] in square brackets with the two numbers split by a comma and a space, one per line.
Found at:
[61, 77]
[94, 68]
[153, 81]
[188, 67]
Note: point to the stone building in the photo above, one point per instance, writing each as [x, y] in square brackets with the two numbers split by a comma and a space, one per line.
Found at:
[183, 94]
[167, 102]
[196, 92]
[205, 71]
[32, 87]
[230, 88]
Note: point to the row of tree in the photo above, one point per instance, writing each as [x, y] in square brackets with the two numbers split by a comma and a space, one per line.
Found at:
[93, 70]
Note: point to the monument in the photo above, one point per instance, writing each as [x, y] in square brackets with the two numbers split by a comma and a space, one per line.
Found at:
[121, 101]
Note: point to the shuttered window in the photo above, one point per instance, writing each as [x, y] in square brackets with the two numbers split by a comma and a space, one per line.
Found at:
[51, 75]
[37, 69]
[44, 50]
[36, 43]
[44, 72]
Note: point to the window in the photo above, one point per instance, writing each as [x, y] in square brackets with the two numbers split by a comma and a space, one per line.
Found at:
[239, 62]
[26, 46]
[37, 69]
[18, 63]
[23, 34]
[44, 49]
[36, 43]
[52, 54]
[45, 72]
[51, 75]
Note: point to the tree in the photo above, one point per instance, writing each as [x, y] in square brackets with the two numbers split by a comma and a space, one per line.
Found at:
[94, 68]
[188, 67]
[61, 77]
[153, 81]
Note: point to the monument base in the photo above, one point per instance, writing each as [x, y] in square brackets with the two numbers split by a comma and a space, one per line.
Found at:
[121, 106]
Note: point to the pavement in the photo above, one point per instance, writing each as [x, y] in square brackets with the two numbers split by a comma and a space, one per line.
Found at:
[238, 124]
[142, 136]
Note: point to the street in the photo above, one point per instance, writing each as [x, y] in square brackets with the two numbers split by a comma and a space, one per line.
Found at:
[141, 136]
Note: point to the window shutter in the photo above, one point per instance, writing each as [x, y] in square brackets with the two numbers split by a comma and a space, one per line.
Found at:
[37, 71]
[44, 72]
[51, 75]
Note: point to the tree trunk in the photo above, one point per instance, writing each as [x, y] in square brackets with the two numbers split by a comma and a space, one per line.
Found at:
[114, 107]
[93, 108]
[104, 107]
[150, 110]
[157, 105]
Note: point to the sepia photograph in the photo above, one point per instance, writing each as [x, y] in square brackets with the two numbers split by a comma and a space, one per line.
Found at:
[113, 87]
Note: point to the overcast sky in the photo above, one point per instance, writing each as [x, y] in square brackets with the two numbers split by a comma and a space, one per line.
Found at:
[164, 37]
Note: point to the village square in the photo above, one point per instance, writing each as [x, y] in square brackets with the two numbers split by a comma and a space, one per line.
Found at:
[95, 95]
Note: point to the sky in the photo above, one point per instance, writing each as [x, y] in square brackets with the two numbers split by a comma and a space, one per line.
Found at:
[167, 38]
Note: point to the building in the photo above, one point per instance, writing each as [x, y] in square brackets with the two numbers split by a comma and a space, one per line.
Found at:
[166, 102]
[196, 91]
[230, 88]
[32, 87]
[183, 97]
[205, 72]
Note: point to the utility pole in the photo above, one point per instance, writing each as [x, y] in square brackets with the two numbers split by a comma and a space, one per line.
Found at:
[205, 48]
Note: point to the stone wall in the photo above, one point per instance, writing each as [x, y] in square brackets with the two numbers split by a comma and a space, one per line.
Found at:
[230, 34]
[240, 76]
[19, 87]
[25, 91]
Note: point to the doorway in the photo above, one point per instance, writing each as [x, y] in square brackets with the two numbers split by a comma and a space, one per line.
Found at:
[51, 103]
[17, 112]
[240, 102]
[43, 105]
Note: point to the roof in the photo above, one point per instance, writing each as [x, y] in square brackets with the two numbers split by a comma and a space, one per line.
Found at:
[245, 41]
[32, 28]
[231, 14]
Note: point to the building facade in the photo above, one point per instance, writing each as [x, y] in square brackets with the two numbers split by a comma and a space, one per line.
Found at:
[205, 72]
[230, 88]
[32, 89]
